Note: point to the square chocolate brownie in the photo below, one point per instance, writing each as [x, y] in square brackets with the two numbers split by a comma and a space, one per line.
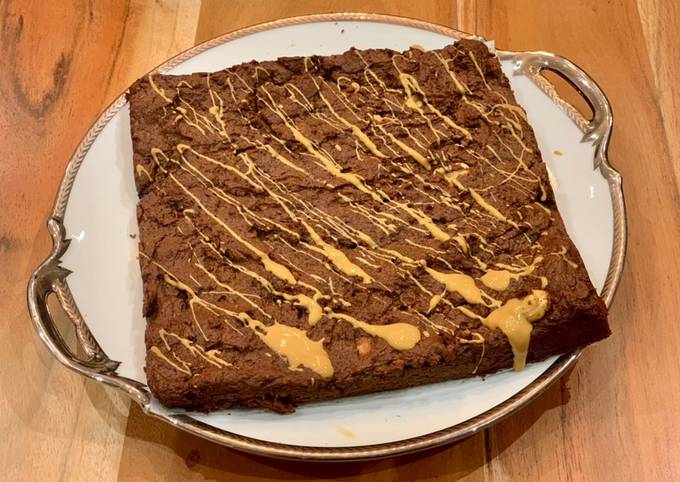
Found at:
[319, 227]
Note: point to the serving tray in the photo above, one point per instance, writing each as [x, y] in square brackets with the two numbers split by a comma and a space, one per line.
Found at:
[94, 273]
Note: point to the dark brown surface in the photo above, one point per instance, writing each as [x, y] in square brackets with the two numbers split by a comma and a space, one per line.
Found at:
[183, 244]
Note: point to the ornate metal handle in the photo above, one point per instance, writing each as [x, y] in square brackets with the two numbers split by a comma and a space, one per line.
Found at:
[597, 130]
[48, 279]
[533, 63]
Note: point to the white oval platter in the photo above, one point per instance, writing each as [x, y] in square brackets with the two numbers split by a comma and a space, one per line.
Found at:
[97, 214]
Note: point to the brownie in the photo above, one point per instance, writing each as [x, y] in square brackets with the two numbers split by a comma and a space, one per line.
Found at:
[319, 227]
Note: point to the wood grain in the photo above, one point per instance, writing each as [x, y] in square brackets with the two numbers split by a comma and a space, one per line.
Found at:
[61, 64]
[615, 417]
[659, 21]
[218, 17]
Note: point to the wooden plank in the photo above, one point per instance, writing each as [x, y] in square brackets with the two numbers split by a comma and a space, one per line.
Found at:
[219, 17]
[660, 22]
[62, 63]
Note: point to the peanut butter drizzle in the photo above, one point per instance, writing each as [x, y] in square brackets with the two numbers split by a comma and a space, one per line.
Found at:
[182, 148]
[400, 336]
[158, 90]
[425, 247]
[273, 267]
[562, 253]
[337, 257]
[425, 221]
[469, 313]
[345, 432]
[490, 209]
[276, 155]
[417, 156]
[210, 356]
[452, 177]
[289, 342]
[462, 242]
[499, 280]
[329, 164]
[479, 69]
[230, 290]
[293, 344]
[326, 161]
[477, 340]
[314, 309]
[142, 170]
[194, 298]
[460, 87]
[434, 301]
[411, 87]
[217, 110]
[199, 122]
[462, 284]
[184, 368]
[358, 133]
[514, 319]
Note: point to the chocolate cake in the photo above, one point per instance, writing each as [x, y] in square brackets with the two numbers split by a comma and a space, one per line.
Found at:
[319, 227]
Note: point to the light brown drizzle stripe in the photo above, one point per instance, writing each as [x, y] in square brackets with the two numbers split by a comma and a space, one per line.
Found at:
[425, 221]
[337, 257]
[158, 90]
[464, 285]
[182, 367]
[326, 162]
[314, 310]
[210, 356]
[171, 280]
[514, 319]
[477, 340]
[358, 133]
[142, 170]
[411, 87]
[331, 166]
[293, 344]
[490, 209]
[562, 253]
[289, 342]
[499, 280]
[400, 336]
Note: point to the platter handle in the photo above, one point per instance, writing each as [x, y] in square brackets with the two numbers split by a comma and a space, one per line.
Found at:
[597, 129]
[49, 279]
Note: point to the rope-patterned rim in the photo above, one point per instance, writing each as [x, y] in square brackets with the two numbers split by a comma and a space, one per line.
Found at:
[48, 277]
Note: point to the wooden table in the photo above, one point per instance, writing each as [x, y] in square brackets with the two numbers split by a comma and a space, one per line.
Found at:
[615, 417]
